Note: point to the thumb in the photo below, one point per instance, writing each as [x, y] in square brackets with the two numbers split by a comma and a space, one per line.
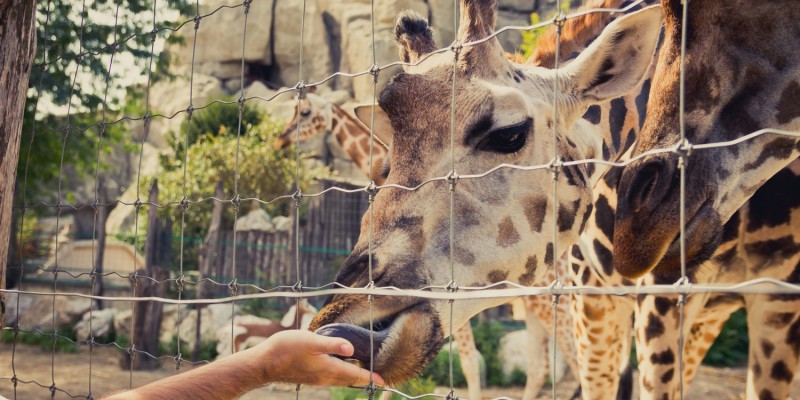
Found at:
[337, 346]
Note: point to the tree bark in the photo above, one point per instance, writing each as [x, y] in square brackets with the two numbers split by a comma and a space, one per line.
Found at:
[17, 49]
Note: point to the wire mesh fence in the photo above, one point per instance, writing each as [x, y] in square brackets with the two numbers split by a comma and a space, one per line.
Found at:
[144, 286]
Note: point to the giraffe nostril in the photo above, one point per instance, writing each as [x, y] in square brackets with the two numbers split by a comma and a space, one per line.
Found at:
[644, 185]
[305, 113]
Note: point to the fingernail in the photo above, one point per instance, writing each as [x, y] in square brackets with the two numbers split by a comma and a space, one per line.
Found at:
[343, 348]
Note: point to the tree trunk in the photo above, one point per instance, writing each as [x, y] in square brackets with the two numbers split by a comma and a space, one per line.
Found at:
[17, 48]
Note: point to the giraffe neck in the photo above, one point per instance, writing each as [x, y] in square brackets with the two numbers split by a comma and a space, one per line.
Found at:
[354, 138]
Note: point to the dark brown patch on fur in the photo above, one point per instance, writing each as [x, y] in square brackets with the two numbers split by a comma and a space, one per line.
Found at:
[765, 394]
[535, 209]
[605, 257]
[604, 217]
[767, 348]
[780, 148]
[779, 320]
[789, 104]
[665, 357]
[530, 272]
[667, 376]
[507, 234]
[781, 372]
[497, 276]
[566, 215]
[655, 327]
[663, 305]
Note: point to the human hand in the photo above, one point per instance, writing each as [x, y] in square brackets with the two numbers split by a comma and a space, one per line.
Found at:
[303, 357]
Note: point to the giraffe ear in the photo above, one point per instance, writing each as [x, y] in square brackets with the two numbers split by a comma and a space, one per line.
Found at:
[382, 128]
[618, 59]
[414, 36]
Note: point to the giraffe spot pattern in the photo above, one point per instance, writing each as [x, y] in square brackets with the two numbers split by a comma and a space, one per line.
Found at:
[667, 376]
[662, 304]
[528, 277]
[654, 327]
[507, 234]
[789, 104]
[566, 215]
[497, 276]
[781, 372]
[665, 357]
[767, 348]
[535, 208]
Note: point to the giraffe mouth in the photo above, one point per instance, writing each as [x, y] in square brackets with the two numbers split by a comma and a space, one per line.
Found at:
[367, 343]
[702, 232]
[400, 344]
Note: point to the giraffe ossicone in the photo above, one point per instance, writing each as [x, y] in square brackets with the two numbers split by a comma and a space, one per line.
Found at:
[504, 114]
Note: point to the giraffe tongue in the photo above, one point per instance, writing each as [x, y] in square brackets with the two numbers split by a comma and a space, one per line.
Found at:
[360, 339]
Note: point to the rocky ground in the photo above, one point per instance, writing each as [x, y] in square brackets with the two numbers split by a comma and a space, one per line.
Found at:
[71, 371]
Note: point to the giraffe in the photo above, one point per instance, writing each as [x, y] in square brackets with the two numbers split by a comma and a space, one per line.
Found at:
[504, 116]
[607, 316]
[656, 324]
[742, 74]
[316, 117]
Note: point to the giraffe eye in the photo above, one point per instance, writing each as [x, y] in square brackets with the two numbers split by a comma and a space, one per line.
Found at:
[508, 139]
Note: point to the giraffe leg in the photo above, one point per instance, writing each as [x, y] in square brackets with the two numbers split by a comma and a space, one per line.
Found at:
[602, 329]
[701, 336]
[470, 360]
[656, 326]
[657, 334]
[773, 324]
[538, 359]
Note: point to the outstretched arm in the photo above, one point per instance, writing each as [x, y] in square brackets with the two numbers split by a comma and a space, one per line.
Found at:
[289, 356]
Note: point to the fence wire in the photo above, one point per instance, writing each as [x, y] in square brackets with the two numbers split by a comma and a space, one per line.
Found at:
[448, 291]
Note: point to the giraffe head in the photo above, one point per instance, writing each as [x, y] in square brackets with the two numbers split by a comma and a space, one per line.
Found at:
[312, 117]
[503, 222]
[742, 74]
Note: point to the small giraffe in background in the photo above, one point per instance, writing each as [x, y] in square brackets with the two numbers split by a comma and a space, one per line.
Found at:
[318, 116]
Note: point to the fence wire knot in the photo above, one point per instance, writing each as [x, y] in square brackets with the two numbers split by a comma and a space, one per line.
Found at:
[197, 19]
[372, 190]
[297, 287]
[375, 70]
[52, 389]
[178, 359]
[134, 278]
[554, 166]
[456, 48]
[179, 282]
[560, 20]
[555, 288]
[452, 179]
[246, 5]
[301, 89]
[236, 201]
[234, 287]
[452, 395]
[297, 196]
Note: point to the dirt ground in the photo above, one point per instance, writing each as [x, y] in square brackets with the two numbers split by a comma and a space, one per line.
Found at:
[71, 371]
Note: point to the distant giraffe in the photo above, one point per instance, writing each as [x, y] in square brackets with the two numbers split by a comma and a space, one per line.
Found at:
[318, 116]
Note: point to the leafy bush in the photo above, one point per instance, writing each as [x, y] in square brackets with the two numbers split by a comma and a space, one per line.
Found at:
[731, 346]
[487, 340]
[439, 369]
[44, 339]
[208, 350]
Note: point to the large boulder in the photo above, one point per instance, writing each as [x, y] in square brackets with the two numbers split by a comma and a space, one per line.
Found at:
[219, 36]
[98, 323]
[38, 312]
[286, 45]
